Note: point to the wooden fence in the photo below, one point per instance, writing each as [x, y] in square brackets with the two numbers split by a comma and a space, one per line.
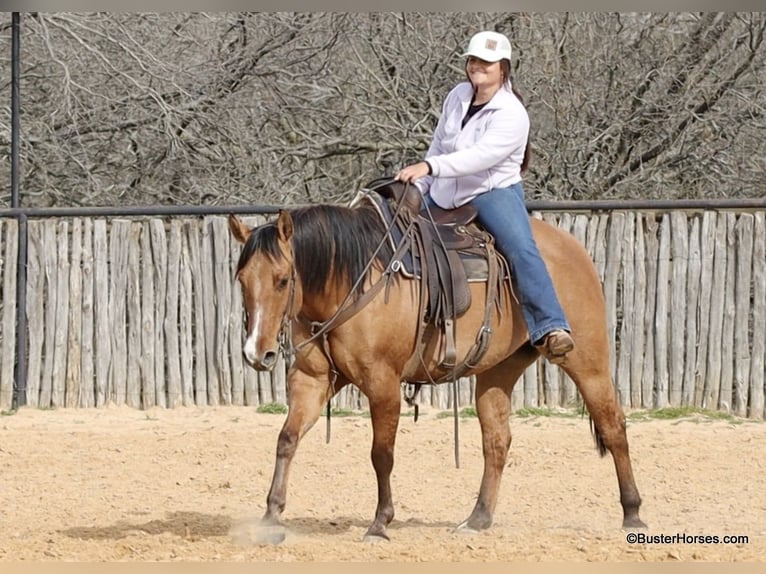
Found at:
[145, 312]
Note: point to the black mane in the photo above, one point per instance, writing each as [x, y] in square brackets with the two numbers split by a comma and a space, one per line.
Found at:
[329, 242]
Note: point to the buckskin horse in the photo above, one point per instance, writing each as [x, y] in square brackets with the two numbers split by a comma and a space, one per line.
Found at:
[325, 286]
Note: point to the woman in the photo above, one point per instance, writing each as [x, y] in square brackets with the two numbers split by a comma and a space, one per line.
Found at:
[477, 155]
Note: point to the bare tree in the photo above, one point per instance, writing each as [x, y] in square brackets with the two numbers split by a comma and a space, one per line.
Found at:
[293, 108]
[656, 105]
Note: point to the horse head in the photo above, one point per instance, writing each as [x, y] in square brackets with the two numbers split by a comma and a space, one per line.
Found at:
[271, 294]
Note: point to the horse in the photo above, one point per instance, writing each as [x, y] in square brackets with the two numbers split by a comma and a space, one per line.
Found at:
[299, 272]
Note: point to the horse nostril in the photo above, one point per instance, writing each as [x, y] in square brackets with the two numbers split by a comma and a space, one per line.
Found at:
[269, 359]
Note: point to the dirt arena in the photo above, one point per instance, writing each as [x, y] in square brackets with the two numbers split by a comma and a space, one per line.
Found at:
[190, 484]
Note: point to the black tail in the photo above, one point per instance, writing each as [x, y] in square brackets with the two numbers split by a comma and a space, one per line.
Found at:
[598, 439]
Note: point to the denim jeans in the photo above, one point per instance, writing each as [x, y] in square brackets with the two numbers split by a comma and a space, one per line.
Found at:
[503, 213]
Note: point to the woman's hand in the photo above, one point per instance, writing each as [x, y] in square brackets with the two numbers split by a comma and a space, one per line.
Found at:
[413, 172]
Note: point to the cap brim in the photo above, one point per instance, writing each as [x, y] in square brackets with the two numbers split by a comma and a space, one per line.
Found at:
[487, 56]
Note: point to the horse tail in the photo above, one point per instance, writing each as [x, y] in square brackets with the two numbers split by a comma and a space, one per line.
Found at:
[597, 438]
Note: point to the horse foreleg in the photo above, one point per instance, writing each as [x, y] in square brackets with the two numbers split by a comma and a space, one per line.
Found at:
[609, 429]
[306, 397]
[493, 406]
[384, 411]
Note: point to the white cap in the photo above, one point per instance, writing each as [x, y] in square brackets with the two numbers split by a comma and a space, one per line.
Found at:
[489, 46]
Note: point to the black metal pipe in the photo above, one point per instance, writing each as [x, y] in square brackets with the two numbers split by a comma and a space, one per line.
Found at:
[15, 109]
[19, 368]
[533, 205]
[138, 210]
[648, 204]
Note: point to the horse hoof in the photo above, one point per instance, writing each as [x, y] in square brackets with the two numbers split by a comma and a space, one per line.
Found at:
[465, 528]
[376, 538]
[248, 532]
[633, 523]
[270, 534]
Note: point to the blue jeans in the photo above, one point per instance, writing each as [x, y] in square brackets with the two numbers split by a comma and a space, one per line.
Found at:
[503, 213]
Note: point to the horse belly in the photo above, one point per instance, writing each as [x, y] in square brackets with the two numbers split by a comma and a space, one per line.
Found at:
[508, 333]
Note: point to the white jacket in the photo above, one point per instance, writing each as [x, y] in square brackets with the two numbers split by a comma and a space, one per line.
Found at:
[486, 154]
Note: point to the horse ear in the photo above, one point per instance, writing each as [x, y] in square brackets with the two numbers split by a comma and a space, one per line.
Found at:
[285, 225]
[238, 229]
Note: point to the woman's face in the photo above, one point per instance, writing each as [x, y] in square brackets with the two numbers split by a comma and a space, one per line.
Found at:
[484, 75]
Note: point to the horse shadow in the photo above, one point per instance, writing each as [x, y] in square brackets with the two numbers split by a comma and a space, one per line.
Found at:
[183, 524]
[310, 526]
[195, 525]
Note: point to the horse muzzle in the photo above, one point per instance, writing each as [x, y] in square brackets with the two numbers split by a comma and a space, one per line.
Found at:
[260, 360]
[265, 362]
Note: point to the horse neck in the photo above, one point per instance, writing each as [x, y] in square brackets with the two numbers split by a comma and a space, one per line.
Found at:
[335, 292]
[321, 306]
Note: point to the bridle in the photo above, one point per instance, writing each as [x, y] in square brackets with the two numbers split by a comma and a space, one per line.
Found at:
[285, 334]
[348, 308]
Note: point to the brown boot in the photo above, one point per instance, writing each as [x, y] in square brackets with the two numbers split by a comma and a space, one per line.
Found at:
[556, 345]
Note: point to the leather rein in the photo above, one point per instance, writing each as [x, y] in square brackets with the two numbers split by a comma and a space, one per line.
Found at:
[347, 309]
[351, 304]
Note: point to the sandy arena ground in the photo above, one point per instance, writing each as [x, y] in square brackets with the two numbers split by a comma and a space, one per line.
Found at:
[190, 484]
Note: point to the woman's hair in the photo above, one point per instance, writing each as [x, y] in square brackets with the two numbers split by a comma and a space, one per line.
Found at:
[505, 69]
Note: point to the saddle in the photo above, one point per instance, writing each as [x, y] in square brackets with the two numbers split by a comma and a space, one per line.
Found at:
[446, 250]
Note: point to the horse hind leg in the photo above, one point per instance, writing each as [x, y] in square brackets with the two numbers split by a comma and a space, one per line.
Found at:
[385, 406]
[493, 406]
[609, 431]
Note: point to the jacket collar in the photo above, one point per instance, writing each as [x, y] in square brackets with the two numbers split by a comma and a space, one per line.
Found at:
[501, 98]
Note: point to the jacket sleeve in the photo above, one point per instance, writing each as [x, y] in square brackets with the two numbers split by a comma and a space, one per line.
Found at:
[435, 149]
[507, 130]
[424, 183]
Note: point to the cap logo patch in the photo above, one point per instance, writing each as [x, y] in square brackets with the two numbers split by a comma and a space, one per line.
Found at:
[491, 45]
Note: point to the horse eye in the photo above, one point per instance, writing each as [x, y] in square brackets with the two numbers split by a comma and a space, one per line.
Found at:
[282, 283]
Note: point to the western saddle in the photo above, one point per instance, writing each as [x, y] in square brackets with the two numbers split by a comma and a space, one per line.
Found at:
[445, 250]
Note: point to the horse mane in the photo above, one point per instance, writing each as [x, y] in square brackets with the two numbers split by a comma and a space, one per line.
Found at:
[330, 242]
